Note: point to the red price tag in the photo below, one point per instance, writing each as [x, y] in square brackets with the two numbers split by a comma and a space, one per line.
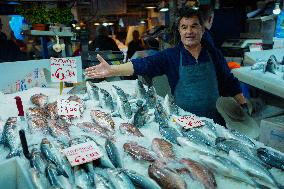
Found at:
[82, 153]
[189, 121]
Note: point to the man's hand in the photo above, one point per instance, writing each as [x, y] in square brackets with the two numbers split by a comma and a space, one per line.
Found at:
[99, 71]
[246, 109]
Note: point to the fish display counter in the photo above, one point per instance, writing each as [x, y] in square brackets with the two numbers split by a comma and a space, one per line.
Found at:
[142, 143]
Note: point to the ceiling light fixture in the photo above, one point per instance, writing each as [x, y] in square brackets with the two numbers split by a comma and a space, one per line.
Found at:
[150, 7]
[276, 9]
[142, 22]
[97, 24]
[164, 9]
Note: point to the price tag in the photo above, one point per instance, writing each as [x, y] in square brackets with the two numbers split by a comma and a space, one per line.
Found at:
[82, 153]
[189, 121]
[68, 108]
[63, 69]
[255, 47]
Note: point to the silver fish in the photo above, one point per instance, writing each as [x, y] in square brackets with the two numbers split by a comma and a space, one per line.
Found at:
[169, 133]
[96, 129]
[37, 179]
[123, 104]
[139, 152]
[163, 148]
[253, 168]
[39, 99]
[140, 180]
[227, 168]
[271, 158]
[120, 179]
[92, 90]
[141, 116]
[200, 173]
[271, 65]
[113, 153]
[151, 97]
[82, 179]
[106, 100]
[36, 161]
[51, 157]
[103, 183]
[51, 174]
[103, 119]
[10, 137]
[241, 137]
[140, 90]
[166, 177]
[161, 116]
[130, 129]
[196, 146]
[209, 129]
[170, 107]
[198, 136]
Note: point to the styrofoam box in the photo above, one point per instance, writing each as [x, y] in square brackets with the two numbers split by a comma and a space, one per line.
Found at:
[272, 132]
[13, 176]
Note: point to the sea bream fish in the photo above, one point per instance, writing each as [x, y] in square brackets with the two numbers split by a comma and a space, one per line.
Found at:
[119, 179]
[170, 107]
[59, 128]
[123, 104]
[51, 110]
[141, 115]
[200, 173]
[139, 152]
[166, 177]
[93, 91]
[36, 124]
[140, 180]
[106, 101]
[130, 129]
[96, 129]
[140, 90]
[39, 99]
[163, 148]
[103, 119]
[36, 112]
[10, 137]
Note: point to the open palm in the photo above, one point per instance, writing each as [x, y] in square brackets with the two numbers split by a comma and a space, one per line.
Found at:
[99, 71]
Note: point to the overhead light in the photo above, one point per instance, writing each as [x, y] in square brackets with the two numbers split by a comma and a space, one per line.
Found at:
[78, 28]
[105, 24]
[150, 7]
[110, 24]
[276, 9]
[97, 24]
[120, 22]
[142, 22]
[164, 9]
[73, 25]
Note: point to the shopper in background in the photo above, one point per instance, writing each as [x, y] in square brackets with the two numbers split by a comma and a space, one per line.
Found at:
[207, 14]
[197, 72]
[134, 45]
[102, 41]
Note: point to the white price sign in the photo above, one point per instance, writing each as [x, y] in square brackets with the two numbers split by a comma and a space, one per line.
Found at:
[63, 69]
[68, 108]
[82, 153]
[189, 121]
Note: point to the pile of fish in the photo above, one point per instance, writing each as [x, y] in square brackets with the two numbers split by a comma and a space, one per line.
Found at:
[131, 131]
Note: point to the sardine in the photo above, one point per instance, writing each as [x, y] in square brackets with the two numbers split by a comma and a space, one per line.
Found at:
[130, 129]
[37, 162]
[199, 137]
[106, 100]
[141, 181]
[103, 119]
[271, 158]
[200, 173]
[123, 104]
[92, 90]
[10, 137]
[39, 99]
[227, 168]
[51, 157]
[37, 179]
[253, 168]
[141, 116]
[140, 90]
[139, 152]
[95, 128]
[161, 117]
[103, 183]
[169, 133]
[113, 153]
[166, 177]
[151, 97]
[241, 137]
[170, 107]
[120, 179]
[163, 148]
[197, 146]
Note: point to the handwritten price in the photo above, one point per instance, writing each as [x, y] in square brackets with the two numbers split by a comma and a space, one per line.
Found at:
[63, 69]
[189, 121]
[67, 107]
[87, 157]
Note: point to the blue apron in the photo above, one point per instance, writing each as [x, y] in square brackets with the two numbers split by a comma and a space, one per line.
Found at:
[197, 89]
